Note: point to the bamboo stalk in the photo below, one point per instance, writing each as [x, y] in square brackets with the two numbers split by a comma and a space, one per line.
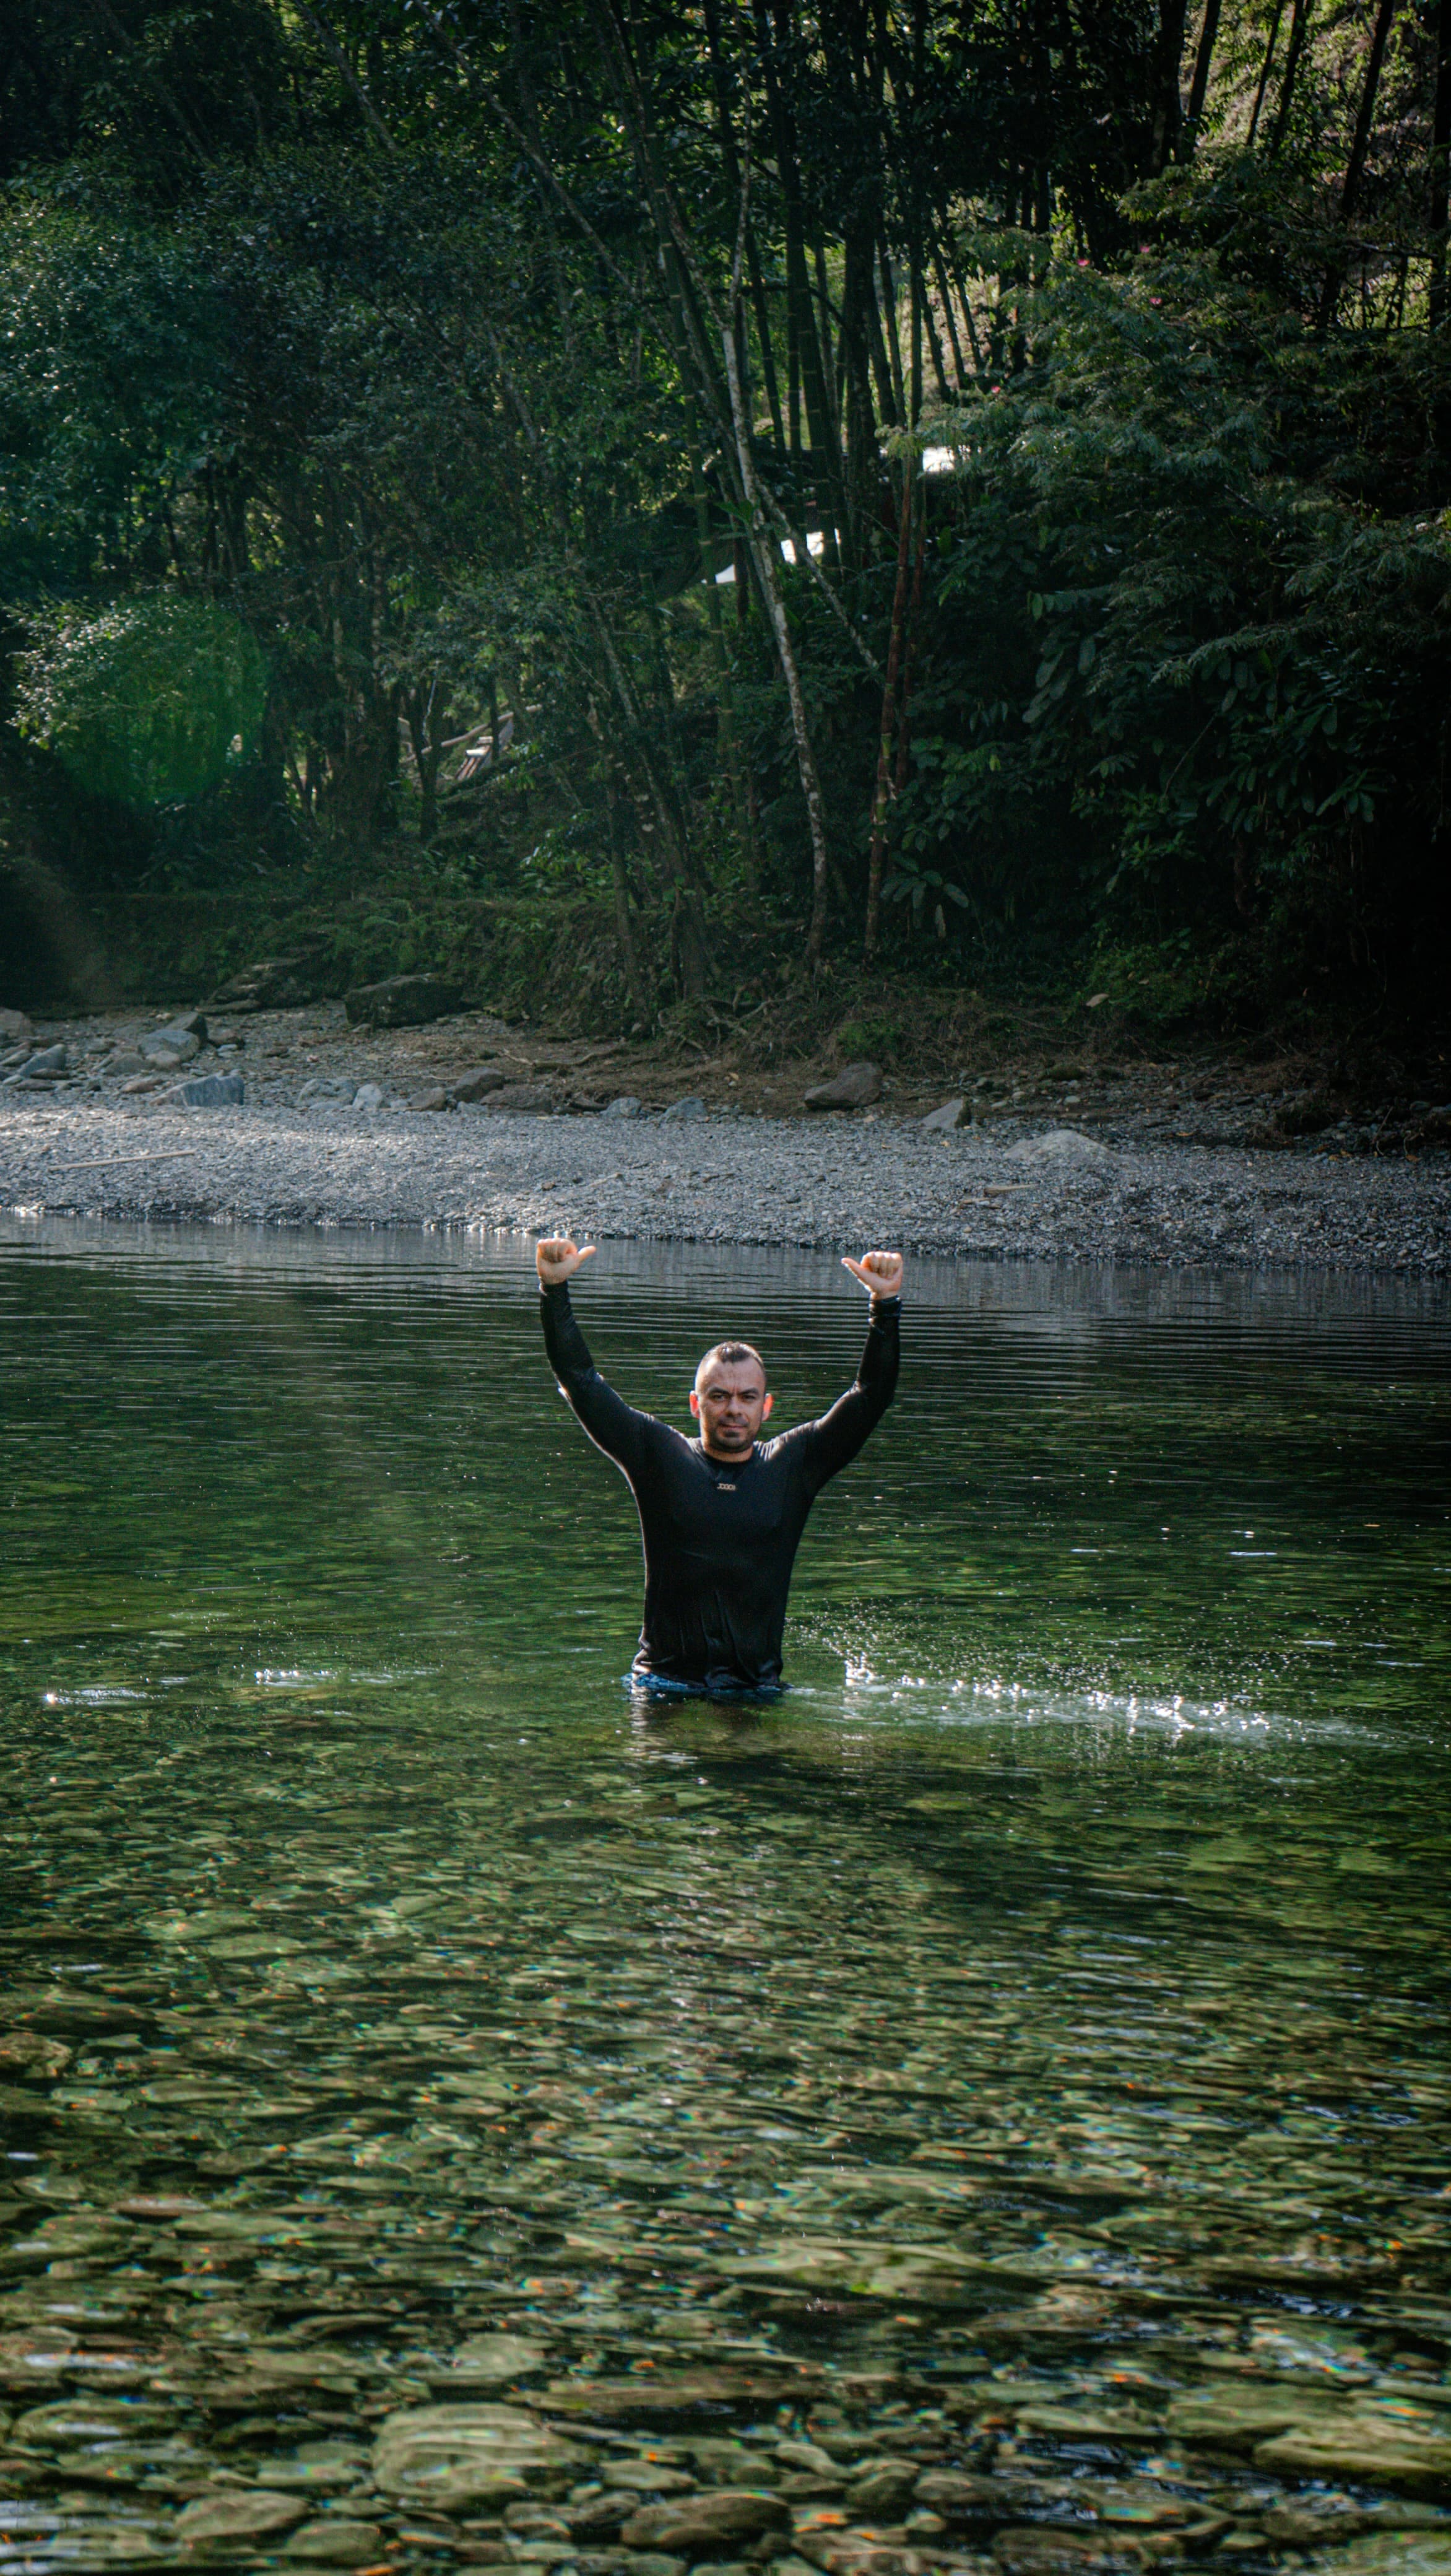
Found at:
[878, 850]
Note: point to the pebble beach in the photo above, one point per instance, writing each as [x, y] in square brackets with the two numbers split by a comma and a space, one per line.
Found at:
[1015, 1189]
[296, 1118]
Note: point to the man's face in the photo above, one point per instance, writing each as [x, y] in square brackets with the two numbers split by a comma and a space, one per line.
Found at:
[730, 1403]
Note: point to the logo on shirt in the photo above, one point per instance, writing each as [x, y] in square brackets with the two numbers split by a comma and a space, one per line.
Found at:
[722, 1486]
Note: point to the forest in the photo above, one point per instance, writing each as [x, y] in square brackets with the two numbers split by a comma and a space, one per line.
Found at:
[634, 507]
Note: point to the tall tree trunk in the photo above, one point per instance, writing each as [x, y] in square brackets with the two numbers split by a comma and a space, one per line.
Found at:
[944, 292]
[1168, 112]
[1438, 176]
[809, 372]
[1199, 86]
[767, 561]
[426, 718]
[894, 337]
[763, 336]
[914, 620]
[1360, 142]
[1263, 83]
[1355, 166]
[635, 983]
[725, 129]
[724, 688]
[862, 459]
[1299, 23]
[876, 855]
[695, 959]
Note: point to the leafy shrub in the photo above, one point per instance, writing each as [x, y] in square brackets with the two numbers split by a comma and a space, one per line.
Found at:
[151, 702]
[872, 1035]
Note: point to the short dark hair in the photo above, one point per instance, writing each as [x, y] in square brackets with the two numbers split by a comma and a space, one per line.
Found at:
[732, 1354]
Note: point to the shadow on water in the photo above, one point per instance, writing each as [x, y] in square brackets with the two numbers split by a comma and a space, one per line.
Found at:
[989, 2108]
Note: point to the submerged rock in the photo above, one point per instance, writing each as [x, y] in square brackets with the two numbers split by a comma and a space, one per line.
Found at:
[89, 2419]
[26, 2052]
[667, 2393]
[706, 2524]
[336, 2543]
[860, 2269]
[1387, 2553]
[1240, 2417]
[1033, 2550]
[490, 2361]
[450, 2456]
[884, 2490]
[247, 2513]
[1363, 2447]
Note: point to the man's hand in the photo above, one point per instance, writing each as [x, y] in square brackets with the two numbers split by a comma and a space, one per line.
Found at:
[879, 1272]
[558, 1256]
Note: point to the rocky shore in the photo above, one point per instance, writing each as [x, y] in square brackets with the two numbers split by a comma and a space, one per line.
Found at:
[745, 1182]
[294, 1119]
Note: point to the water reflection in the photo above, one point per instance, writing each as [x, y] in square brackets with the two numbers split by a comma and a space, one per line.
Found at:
[989, 2110]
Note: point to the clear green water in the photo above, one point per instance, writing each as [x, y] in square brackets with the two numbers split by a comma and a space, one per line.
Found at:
[1022, 2056]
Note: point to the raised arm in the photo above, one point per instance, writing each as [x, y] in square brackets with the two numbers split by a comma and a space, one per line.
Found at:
[833, 1442]
[612, 1424]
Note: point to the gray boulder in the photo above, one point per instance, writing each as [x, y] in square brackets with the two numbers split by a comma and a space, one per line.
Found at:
[212, 1091]
[527, 1096]
[941, 1122]
[691, 1108]
[1062, 1145]
[855, 1087]
[369, 1095]
[170, 1046]
[627, 1106]
[478, 1082]
[46, 1066]
[432, 1096]
[401, 1002]
[15, 1028]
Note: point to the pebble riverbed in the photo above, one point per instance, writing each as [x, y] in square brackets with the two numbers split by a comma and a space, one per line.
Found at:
[986, 1191]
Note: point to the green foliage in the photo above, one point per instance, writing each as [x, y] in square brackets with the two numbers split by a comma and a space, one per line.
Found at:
[109, 396]
[1240, 681]
[363, 393]
[149, 703]
[870, 1034]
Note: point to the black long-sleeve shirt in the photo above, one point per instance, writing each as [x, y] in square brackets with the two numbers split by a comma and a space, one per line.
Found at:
[720, 1536]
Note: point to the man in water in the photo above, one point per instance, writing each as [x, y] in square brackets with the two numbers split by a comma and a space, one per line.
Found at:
[721, 1517]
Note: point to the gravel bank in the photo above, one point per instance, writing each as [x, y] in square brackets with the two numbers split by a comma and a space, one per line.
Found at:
[980, 1192]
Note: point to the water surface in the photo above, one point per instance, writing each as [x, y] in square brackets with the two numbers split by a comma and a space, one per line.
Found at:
[1020, 2057]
